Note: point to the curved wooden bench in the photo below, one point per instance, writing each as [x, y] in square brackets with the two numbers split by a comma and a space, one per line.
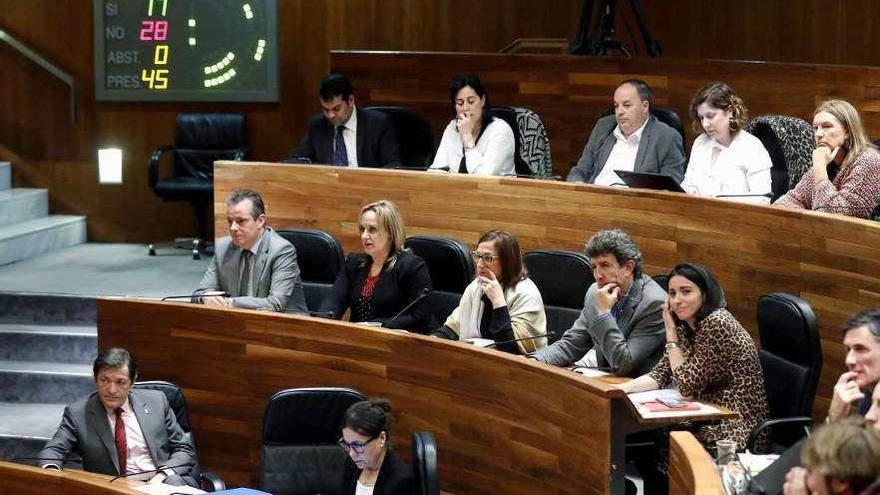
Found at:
[691, 469]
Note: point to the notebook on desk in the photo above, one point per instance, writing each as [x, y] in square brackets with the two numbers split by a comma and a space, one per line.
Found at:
[647, 180]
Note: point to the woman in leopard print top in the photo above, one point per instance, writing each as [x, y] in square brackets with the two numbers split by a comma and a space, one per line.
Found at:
[709, 356]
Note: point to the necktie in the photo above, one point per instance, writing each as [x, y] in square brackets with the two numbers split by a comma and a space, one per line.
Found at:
[245, 286]
[121, 445]
[340, 152]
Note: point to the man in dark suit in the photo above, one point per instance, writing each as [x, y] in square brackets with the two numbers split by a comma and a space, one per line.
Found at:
[632, 139]
[253, 264]
[117, 430]
[345, 135]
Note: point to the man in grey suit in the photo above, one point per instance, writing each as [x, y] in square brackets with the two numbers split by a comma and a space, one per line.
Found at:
[632, 139]
[621, 325]
[118, 431]
[253, 264]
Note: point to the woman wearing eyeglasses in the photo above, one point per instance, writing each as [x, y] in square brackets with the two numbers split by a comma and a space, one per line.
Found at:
[374, 468]
[501, 303]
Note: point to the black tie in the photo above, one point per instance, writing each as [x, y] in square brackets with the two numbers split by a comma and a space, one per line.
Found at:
[245, 286]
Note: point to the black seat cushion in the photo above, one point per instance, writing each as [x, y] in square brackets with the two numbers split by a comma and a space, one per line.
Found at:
[559, 320]
[414, 134]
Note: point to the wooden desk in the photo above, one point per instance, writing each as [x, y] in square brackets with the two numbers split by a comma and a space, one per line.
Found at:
[691, 469]
[504, 424]
[831, 261]
[17, 479]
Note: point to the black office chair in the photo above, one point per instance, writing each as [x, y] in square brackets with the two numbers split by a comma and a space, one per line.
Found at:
[789, 142]
[665, 115]
[320, 258]
[199, 140]
[662, 280]
[532, 145]
[424, 458]
[414, 134]
[563, 278]
[451, 267]
[300, 455]
[791, 357]
[209, 481]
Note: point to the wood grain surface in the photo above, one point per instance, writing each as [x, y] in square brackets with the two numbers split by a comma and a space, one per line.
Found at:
[16, 479]
[504, 424]
[691, 469]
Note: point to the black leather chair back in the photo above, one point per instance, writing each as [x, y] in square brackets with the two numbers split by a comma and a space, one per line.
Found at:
[300, 429]
[791, 355]
[202, 138]
[779, 170]
[662, 280]
[318, 253]
[441, 304]
[414, 134]
[508, 114]
[563, 277]
[424, 456]
[449, 261]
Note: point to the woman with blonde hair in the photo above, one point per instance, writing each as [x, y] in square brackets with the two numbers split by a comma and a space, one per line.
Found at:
[380, 282]
[845, 176]
[726, 161]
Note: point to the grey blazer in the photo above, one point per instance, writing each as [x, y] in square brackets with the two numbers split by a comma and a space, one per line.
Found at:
[278, 286]
[629, 345]
[660, 151]
[84, 430]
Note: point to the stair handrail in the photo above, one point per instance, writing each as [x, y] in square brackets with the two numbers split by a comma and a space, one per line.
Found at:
[46, 65]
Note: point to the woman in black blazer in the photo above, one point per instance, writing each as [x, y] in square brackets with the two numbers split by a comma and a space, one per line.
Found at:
[380, 282]
[372, 468]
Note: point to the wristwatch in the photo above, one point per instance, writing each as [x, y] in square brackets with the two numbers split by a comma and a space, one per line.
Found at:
[671, 345]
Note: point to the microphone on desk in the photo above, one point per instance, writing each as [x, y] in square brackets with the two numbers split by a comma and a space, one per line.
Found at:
[513, 341]
[765, 195]
[147, 471]
[423, 294]
[198, 298]
[330, 315]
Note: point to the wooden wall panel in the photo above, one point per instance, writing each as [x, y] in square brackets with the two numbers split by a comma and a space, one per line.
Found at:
[829, 260]
[50, 152]
[503, 424]
[571, 93]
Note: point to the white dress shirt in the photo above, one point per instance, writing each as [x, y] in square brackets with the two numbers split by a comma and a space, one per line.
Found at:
[741, 168]
[492, 154]
[622, 157]
[138, 454]
[349, 135]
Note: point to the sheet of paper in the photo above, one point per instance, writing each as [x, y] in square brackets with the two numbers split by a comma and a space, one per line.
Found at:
[163, 489]
[652, 395]
[590, 372]
[479, 342]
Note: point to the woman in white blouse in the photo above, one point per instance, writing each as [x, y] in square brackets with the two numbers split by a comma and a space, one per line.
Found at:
[725, 161]
[474, 142]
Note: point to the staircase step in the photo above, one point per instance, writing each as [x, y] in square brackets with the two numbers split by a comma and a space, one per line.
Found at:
[20, 204]
[59, 344]
[47, 309]
[5, 175]
[26, 239]
[41, 381]
[25, 428]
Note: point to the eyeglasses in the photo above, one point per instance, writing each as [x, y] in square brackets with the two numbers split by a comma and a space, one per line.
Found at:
[358, 446]
[485, 258]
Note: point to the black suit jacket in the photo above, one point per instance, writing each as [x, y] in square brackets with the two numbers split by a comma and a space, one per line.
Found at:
[377, 144]
[395, 289]
[396, 477]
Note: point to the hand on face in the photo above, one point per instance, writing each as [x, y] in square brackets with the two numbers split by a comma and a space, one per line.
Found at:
[823, 155]
[606, 297]
[492, 288]
[795, 482]
[846, 395]
[466, 124]
[669, 322]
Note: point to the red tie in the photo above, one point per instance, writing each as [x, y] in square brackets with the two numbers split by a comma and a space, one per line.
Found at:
[121, 445]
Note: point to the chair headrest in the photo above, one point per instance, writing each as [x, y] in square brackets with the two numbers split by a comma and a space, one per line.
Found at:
[213, 131]
[449, 261]
[307, 416]
[175, 397]
[563, 277]
[318, 254]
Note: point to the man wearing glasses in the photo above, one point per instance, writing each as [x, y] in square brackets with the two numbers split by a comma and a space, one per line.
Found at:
[620, 329]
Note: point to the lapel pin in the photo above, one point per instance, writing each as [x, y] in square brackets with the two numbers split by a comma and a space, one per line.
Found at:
[147, 409]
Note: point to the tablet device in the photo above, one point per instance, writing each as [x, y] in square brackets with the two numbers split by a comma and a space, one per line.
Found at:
[647, 180]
